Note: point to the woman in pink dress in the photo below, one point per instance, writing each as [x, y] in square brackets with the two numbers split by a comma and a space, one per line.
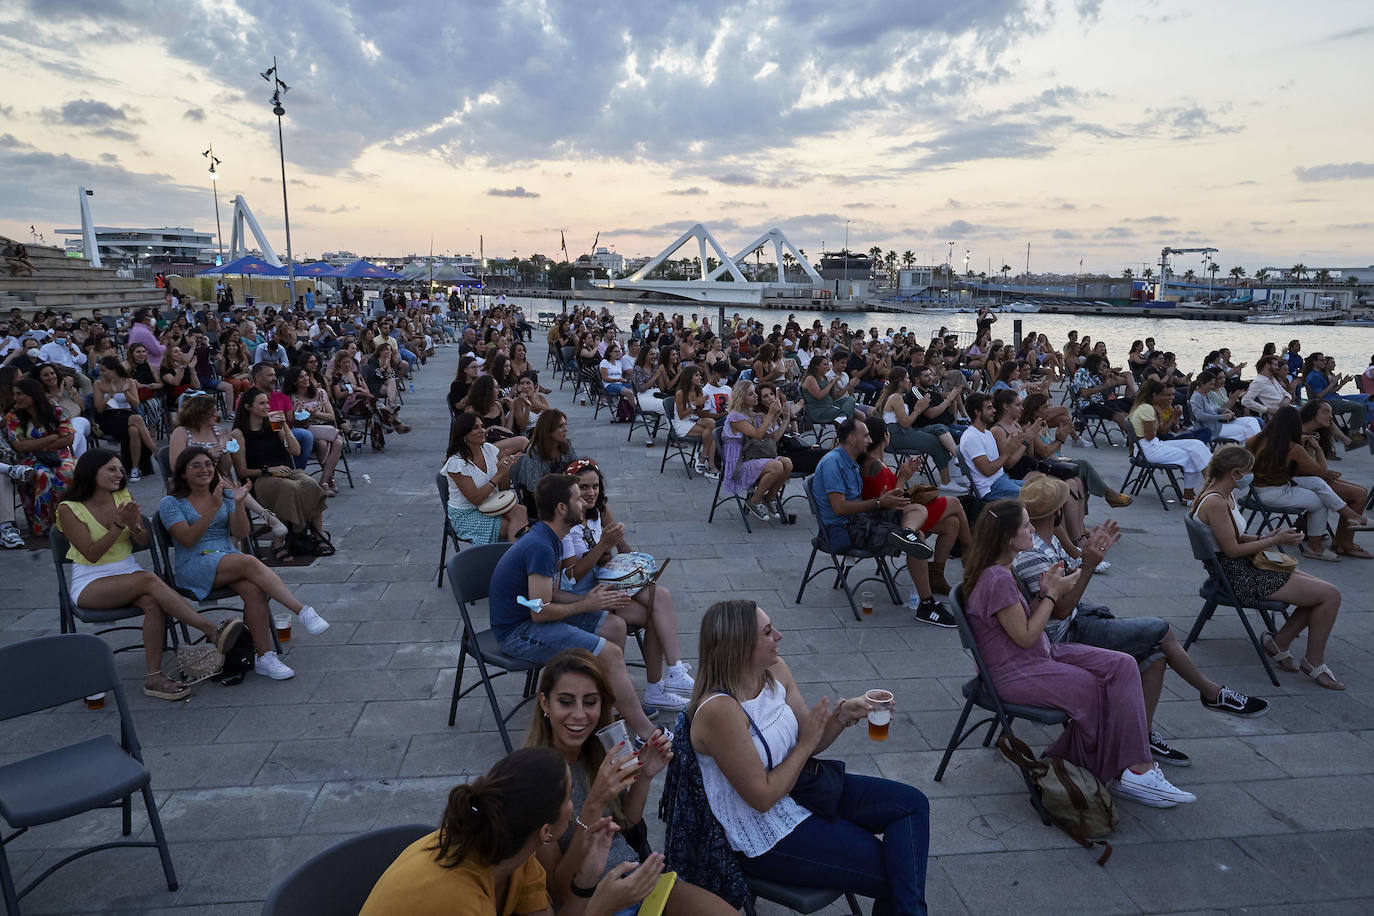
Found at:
[1099, 688]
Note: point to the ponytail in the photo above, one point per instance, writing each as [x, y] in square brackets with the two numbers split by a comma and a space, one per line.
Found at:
[491, 818]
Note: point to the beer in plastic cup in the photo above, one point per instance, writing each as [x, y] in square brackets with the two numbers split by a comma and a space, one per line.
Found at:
[275, 419]
[868, 602]
[283, 624]
[96, 701]
[880, 716]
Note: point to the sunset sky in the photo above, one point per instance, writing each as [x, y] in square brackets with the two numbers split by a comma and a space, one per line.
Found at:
[1091, 129]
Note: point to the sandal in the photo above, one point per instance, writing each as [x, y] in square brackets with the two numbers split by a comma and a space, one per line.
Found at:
[324, 547]
[280, 552]
[1356, 551]
[1320, 671]
[1282, 658]
[161, 687]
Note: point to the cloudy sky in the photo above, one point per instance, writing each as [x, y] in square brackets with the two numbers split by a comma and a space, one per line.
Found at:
[1090, 129]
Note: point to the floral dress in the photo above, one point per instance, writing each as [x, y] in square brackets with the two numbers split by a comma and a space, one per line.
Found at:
[48, 484]
[739, 475]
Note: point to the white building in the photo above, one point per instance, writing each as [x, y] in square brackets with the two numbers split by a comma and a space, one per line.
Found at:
[130, 247]
[605, 259]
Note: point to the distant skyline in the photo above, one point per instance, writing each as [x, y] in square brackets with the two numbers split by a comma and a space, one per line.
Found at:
[1093, 130]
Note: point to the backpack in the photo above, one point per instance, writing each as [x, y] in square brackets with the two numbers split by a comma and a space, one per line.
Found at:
[1073, 797]
[624, 411]
[238, 659]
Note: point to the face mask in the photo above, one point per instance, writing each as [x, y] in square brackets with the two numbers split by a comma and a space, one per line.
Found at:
[1245, 481]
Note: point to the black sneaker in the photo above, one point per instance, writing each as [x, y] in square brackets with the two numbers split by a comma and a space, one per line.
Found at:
[934, 612]
[910, 543]
[1165, 754]
[1236, 703]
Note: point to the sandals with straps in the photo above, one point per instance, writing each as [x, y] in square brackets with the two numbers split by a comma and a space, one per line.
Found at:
[1318, 672]
[1282, 658]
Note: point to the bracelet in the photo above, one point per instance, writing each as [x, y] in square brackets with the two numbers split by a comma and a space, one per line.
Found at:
[584, 892]
[578, 821]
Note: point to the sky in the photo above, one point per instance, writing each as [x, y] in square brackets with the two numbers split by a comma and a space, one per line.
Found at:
[1090, 130]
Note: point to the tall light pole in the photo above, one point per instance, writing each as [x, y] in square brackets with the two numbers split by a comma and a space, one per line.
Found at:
[280, 89]
[214, 186]
[846, 257]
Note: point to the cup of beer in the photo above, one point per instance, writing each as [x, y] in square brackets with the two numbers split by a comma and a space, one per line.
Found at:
[880, 715]
[283, 624]
[96, 701]
[277, 420]
[867, 603]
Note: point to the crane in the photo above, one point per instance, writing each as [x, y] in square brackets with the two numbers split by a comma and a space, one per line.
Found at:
[1164, 255]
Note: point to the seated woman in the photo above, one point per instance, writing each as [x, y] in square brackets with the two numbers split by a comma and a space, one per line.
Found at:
[1318, 427]
[142, 371]
[802, 457]
[575, 702]
[203, 514]
[824, 397]
[477, 472]
[62, 393]
[1049, 441]
[1214, 410]
[768, 365]
[944, 515]
[485, 403]
[481, 861]
[1288, 476]
[178, 372]
[313, 403]
[689, 402]
[380, 375]
[102, 523]
[901, 410]
[1100, 689]
[115, 397]
[498, 367]
[750, 440]
[612, 374]
[1151, 401]
[588, 546]
[358, 403]
[1317, 602]
[41, 436]
[265, 459]
[549, 452]
[753, 733]
[1014, 437]
[528, 403]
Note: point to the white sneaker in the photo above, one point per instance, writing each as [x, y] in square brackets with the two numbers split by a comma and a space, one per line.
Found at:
[10, 538]
[678, 678]
[269, 665]
[20, 472]
[656, 695]
[135, 474]
[314, 624]
[1149, 788]
[1102, 567]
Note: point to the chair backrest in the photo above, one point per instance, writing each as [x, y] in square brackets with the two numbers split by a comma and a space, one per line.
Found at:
[45, 672]
[441, 481]
[164, 466]
[340, 879]
[965, 631]
[469, 572]
[1201, 540]
[717, 434]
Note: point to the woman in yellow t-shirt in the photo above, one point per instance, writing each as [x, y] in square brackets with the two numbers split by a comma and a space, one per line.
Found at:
[1151, 402]
[481, 862]
[102, 522]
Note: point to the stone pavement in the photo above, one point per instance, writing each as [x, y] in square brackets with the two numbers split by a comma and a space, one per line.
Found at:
[252, 780]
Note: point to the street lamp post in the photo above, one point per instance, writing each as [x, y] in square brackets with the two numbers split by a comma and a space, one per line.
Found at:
[846, 258]
[214, 186]
[280, 89]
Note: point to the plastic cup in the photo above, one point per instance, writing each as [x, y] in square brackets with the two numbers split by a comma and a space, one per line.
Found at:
[276, 423]
[868, 603]
[96, 701]
[880, 716]
[283, 624]
[614, 735]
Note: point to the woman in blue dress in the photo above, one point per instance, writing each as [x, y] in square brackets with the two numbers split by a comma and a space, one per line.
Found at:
[203, 514]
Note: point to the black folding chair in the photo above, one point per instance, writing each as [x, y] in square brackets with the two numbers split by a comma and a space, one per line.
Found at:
[100, 772]
[980, 691]
[1217, 590]
[647, 420]
[842, 561]
[804, 900]
[69, 612]
[340, 879]
[449, 534]
[1271, 516]
[469, 575]
[1091, 426]
[1144, 472]
[685, 447]
[718, 500]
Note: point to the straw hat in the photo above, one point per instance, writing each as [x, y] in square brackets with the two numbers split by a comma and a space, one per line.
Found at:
[1043, 495]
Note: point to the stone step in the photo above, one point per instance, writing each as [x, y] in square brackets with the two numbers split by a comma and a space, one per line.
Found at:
[57, 298]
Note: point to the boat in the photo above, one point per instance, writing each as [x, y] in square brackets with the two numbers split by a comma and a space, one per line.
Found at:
[1294, 316]
[1023, 308]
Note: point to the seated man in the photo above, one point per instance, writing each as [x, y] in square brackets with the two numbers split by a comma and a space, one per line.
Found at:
[850, 521]
[265, 379]
[1266, 394]
[986, 461]
[529, 570]
[1148, 639]
[1096, 386]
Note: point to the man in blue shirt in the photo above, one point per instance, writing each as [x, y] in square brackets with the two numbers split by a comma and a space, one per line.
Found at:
[1323, 383]
[847, 519]
[1294, 358]
[529, 570]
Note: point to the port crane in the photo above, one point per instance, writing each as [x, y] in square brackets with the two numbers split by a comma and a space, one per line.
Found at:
[1164, 256]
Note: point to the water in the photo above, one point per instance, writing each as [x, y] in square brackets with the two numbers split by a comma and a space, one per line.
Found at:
[1189, 340]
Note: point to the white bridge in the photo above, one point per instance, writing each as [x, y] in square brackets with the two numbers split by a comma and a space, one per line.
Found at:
[726, 282]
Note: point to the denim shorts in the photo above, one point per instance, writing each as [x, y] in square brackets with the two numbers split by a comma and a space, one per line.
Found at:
[539, 642]
[1138, 637]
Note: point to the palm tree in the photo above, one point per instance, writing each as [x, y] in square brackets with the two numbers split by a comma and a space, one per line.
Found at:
[787, 261]
[890, 259]
[1006, 269]
[1237, 273]
[1128, 274]
[802, 252]
[1322, 277]
[908, 259]
[1148, 273]
[875, 253]
[1298, 271]
[1262, 274]
[1190, 275]
[1352, 281]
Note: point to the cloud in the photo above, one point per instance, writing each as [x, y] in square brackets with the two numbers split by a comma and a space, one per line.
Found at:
[1359, 32]
[687, 192]
[1065, 234]
[90, 113]
[1116, 232]
[194, 114]
[957, 228]
[1088, 10]
[1150, 219]
[1335, 171]
[1351, 227]
[1186, 122]
[736, 178]
[517, 191]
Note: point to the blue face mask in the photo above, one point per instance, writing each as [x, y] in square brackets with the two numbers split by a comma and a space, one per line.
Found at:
[1245, 482]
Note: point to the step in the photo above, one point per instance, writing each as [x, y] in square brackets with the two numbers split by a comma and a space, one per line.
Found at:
[63, 300]
[68, 279]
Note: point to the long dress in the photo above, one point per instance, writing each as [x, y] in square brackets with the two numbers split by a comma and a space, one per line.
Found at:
[739, 475]
[1098, 688]
[47, 484]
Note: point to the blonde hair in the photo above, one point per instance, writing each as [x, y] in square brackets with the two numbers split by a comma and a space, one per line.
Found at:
[737, 394]
[728, 634]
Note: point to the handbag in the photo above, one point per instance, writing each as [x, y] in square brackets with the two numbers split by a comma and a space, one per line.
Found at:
[1064, 470]
[1274, 561]
[498, 503]
[765, 447]
[820, 783]
[629, 572]
[48, 457]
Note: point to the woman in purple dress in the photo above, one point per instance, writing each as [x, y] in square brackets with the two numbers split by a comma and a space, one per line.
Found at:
[765, 471]
[1099, 688]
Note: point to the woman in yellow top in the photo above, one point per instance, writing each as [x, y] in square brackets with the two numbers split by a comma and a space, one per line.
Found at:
[102, 522]
[481, 862]
[1151, 402]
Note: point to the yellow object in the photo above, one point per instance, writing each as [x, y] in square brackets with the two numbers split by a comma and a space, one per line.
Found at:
[121, 549]
[416, 885]
[658, 897]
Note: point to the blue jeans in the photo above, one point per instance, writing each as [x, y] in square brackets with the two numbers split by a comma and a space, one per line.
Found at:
[539, 642]
[844, 854]
[307, 441]
[1004, 487]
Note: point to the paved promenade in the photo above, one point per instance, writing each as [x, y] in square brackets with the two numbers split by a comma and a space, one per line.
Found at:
[252, 780]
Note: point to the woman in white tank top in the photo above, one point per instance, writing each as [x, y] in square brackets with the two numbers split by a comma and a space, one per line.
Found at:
[744, 689]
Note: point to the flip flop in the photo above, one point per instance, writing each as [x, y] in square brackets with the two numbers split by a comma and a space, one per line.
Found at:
[1320, 671]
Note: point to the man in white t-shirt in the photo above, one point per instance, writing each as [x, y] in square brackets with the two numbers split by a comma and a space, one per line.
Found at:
[717, 391]
[627, 362]
[979, 450]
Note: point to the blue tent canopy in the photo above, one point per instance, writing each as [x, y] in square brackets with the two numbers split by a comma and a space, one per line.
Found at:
[366, 270]
[317, 269]
[248, 265]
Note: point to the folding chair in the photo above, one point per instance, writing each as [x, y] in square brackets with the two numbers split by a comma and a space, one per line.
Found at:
[842, 561]
[469, 575]
[340, 879]
[1271, 516]
[685, 447]
[981, 692]
[1218, 590]
[1091, 426]
[597, 393]
[802, 900]
[647, 420]
[1143, 472]
[69, 612]
[719, 500]
[100, 772]
[441, 481]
